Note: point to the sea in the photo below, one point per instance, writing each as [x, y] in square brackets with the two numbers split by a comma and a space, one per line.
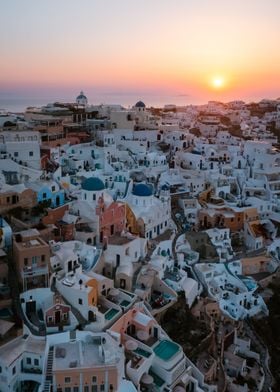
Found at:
[19, 105]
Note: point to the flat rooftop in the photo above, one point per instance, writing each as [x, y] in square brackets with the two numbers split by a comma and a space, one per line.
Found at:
[85, 354]
[119, 240]
[12, 350]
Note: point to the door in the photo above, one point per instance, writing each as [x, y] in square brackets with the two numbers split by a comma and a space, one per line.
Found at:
[156, 333]
[57, 317]
[122, 283]
[30, 307]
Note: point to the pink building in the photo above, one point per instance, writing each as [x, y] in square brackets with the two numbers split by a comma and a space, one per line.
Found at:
[111, 219]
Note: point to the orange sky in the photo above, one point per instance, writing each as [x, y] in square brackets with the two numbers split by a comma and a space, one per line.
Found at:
[179, 46]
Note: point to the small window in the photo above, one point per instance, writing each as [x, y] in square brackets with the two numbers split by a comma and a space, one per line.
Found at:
[44, 195]
[31, 153]
[86, 388]
[94, 379]
[102, 387]
[80, 301]
[28, 361]
[67, 389]
[67, 380]
[14, 370]
[53, 188]
[15, 154]
[25, 261]
[36, 362]
[43, 258]
[76, 389]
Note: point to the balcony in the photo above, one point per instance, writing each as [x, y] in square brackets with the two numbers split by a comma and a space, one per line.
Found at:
[34, 270]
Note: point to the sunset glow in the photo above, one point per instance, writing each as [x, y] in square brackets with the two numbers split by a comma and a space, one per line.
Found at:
[170, 49]
[218, 83]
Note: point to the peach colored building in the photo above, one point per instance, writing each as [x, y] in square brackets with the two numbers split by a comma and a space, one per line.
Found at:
[31, 257]
[11, 199]
[254, 265]
[225, 217]
[5, 295]
[90, 362]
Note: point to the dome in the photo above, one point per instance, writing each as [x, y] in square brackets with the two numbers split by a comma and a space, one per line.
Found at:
[142, 190]
[93, 184]
[81, 96]
[140, 104]
[81, 99]
[165, 187]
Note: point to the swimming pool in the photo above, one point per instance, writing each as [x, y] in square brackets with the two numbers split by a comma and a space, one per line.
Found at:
[250, 284]
[5, 313]
[166, 349]
[142, 352]
[124, 303]
[110, 314]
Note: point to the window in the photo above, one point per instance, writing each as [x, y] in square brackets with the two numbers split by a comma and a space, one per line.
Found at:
[94, 197]
[94, 388]
[0, 369]
[31, 153]
[25, 261]
[15, 154]
[14, 370]
[36, 362]
[28, 361]
[67, 389]
[43, 258]
[80, 301]
[67, 380]
[76, 389]
[44, 195]
[94, 379]
[86, 388]
[53, 188]
[102, 387]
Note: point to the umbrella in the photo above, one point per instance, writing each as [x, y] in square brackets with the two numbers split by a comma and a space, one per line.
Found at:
[131, 345]
[179, 388]
[147, 379]
[114, 292]
[142, 335]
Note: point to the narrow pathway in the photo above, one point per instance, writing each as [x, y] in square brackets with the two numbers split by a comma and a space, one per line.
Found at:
[264, 355]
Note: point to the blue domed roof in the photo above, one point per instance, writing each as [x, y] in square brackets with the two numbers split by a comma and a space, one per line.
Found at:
[81, 96]
[93, 184]
[140, 104]
[165, 187]
[142, 190]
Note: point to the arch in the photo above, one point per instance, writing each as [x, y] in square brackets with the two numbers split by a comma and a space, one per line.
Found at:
[91, 316]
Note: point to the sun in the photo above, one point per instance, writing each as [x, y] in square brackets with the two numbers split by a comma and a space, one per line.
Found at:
[218, 82]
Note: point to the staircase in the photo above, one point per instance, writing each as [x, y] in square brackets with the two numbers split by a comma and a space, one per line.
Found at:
[82, 321]
[49, 372]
